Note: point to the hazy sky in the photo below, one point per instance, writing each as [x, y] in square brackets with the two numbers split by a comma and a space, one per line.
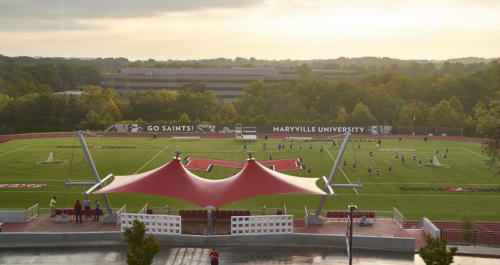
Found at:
[264, 29]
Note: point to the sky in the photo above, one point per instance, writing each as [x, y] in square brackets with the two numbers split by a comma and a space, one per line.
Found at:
[263, 29]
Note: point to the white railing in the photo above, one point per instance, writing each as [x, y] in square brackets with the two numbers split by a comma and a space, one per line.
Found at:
[261, 225]
[306, 216]
[155, 223]
[398, 217]
[32, 212]
[144, 209]
[119, 212]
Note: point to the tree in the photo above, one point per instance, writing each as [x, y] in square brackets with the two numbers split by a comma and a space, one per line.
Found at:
[435, 253]
[184, 118]
[342, 117]
[361, 116]
[444, 115]
[142, 250]
[487, 119]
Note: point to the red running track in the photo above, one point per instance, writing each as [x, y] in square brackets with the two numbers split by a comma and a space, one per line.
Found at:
[204, 164]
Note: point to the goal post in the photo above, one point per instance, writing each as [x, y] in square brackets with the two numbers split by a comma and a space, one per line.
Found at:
[410, 130]
[449, 131]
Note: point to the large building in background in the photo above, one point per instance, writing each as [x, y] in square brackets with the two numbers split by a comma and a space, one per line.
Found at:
[227, 83]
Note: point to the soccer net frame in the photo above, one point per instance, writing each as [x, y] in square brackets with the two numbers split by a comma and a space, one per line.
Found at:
[449, 131]
[418, 130]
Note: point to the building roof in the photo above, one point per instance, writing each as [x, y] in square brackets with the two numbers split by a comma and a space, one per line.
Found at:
[201, 71]
[174, 180]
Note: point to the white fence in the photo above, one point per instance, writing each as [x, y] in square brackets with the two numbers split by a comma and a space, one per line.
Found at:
[155, 223]
[261, 225]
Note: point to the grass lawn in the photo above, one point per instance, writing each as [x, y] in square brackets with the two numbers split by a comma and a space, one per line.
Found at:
[414, 190]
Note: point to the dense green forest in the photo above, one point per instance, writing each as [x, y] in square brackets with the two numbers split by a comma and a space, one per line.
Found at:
[385, 91]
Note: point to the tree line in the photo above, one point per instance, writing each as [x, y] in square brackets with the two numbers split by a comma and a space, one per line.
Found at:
[29, 102]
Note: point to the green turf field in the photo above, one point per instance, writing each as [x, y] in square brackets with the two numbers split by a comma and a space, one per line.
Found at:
[467, 169]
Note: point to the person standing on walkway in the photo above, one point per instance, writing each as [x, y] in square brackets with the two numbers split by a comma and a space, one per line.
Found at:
[86, 206]
[97, 206]
[214, 257]
[78, 211]
[52, 206]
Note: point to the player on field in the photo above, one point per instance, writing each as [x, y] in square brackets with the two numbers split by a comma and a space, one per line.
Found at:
[354, 164]
[369, 169]
[403, 159]
[390, 168]
[378, 173]
[414, 156]
[396, 156]
[345, 162]
[419, 162]
[371, 155]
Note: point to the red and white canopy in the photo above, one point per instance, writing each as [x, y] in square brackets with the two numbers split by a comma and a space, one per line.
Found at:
[174, 180]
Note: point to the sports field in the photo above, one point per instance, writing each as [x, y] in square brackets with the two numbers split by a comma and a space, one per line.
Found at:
[415, 191]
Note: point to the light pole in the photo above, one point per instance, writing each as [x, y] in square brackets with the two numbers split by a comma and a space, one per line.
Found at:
[351, 207]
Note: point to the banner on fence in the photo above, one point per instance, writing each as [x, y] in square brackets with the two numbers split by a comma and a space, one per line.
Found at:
[211, 128]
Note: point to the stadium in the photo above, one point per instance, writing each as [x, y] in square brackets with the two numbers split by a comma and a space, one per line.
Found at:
[399, 177]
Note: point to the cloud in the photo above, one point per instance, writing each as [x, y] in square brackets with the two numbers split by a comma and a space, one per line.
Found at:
[35, 15]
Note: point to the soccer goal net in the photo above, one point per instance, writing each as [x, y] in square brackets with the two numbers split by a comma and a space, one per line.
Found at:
[449, 131]
[418, 130]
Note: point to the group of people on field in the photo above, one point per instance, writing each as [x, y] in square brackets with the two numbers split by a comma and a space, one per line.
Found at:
[78, 209]
[397, 157]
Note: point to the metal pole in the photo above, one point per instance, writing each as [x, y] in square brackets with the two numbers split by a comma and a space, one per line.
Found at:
[334, 171]
[93, 169]
[351, 209]
[210, 226]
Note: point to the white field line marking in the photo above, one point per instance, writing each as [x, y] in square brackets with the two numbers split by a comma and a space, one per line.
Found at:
[41, 191]
[429, 183]
[37, 180]
[101, 149]
[340, 167]
[12, 151]
[424, 195]
[470, 196]
[475, 153]
[145, 164]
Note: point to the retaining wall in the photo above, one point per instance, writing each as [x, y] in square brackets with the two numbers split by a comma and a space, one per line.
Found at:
[12, 216]
[290, 240]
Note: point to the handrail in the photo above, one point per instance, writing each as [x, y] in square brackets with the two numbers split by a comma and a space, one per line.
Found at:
[33, 212]
[144, 209]
[119, 212]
